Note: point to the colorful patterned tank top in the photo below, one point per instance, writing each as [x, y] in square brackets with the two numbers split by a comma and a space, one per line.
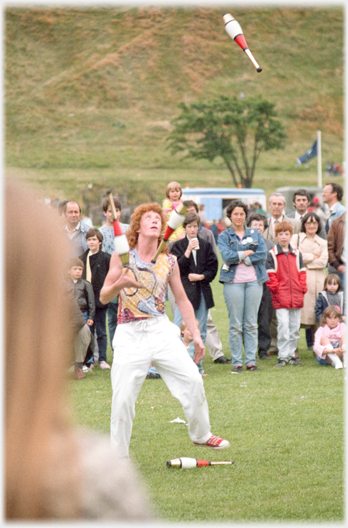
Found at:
[149, 301]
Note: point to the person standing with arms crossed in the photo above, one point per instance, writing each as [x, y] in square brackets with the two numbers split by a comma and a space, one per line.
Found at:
[145, 336]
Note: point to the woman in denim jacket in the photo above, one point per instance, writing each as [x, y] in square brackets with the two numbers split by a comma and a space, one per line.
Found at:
[243, 273]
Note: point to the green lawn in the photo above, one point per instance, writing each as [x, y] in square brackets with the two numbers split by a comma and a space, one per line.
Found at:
[285, 427]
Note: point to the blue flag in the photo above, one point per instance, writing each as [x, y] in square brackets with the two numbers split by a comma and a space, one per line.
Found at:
[311, 153]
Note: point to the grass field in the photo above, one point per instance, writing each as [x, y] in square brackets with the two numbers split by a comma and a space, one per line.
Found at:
[286, 430]
[90, 93]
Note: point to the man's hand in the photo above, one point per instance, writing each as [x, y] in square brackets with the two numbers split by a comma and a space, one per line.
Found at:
[193, 277]
[127, 280]
[193, 243]
[341, 268]
[199, 347]
[90, 322]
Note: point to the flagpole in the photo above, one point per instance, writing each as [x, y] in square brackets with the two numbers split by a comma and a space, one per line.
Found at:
[320, 183]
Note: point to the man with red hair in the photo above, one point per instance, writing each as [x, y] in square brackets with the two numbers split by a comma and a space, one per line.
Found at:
[146, 336]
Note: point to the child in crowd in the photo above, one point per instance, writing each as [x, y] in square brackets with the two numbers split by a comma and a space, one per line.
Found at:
[108, 246]
[81, 289]
[173, 198]
[287, 284]
[82, 293]
[332, 295]
[329, 343]
[187, 339]
[107, 229]
[96, 264]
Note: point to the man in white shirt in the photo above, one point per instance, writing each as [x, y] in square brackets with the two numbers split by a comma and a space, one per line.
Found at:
[301, 200]
[276, 206]
[332, 196]
[75, 229]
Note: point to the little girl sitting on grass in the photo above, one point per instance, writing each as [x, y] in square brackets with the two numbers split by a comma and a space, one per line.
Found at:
[329, 342]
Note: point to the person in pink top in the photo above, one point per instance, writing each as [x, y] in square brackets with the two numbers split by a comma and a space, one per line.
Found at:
[329, 343]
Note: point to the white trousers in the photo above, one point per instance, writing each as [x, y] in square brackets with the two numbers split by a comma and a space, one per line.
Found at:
[288, 332]
[154, 341]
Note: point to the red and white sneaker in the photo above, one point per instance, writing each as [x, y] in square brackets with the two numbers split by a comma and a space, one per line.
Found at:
[215, 442]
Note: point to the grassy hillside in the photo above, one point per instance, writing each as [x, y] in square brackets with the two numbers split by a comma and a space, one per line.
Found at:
[90, 93]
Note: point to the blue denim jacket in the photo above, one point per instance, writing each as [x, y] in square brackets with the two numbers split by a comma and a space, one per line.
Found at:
[232, 252]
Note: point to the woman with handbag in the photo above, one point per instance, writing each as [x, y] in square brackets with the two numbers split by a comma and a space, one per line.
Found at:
[315, 257]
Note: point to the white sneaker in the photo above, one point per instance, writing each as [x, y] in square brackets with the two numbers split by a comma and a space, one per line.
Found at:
[104, 365]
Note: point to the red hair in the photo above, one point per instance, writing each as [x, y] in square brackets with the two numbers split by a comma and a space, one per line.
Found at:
[132, 233]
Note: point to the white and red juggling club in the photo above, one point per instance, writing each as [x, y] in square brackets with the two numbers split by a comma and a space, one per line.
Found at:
[175, 220]
[189, 463]
[235, 31]
[120, 240]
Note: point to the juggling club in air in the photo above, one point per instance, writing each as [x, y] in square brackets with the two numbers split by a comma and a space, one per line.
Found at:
[120, 240]
[234, 30]
[188, 463]
[175, 220]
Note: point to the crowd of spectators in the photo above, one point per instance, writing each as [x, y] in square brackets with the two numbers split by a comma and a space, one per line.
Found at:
[244, 243]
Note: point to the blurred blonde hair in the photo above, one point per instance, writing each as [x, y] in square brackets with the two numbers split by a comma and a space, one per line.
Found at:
[39, 444]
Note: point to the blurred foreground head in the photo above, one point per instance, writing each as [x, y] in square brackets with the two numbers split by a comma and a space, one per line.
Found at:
[36, 352]
[52, 470]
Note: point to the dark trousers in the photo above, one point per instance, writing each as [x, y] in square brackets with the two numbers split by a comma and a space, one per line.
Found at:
[112, 320]
[309, 337]
[100, 329]
[264, 318]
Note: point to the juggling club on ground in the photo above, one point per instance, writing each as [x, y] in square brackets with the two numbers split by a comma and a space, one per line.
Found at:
[188, 463]
[234, 30]
[175, 220]
[120, 240]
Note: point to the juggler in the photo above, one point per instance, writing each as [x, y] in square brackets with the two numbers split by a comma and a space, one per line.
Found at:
[145, 336]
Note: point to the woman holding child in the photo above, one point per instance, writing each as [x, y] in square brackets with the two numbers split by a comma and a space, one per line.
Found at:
[315, 256]
[243, 273]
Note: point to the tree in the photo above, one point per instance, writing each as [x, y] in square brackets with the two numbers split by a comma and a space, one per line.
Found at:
[237, 130]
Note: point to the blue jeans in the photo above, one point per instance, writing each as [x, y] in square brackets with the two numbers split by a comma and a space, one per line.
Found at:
[112, 319]
[100, 329]
[243, 301]
[201, 314]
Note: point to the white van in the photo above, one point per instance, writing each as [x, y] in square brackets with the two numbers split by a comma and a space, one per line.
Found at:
[216, 199]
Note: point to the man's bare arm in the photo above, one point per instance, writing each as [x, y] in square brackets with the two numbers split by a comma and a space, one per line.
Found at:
[187, 313]
[116, 279]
